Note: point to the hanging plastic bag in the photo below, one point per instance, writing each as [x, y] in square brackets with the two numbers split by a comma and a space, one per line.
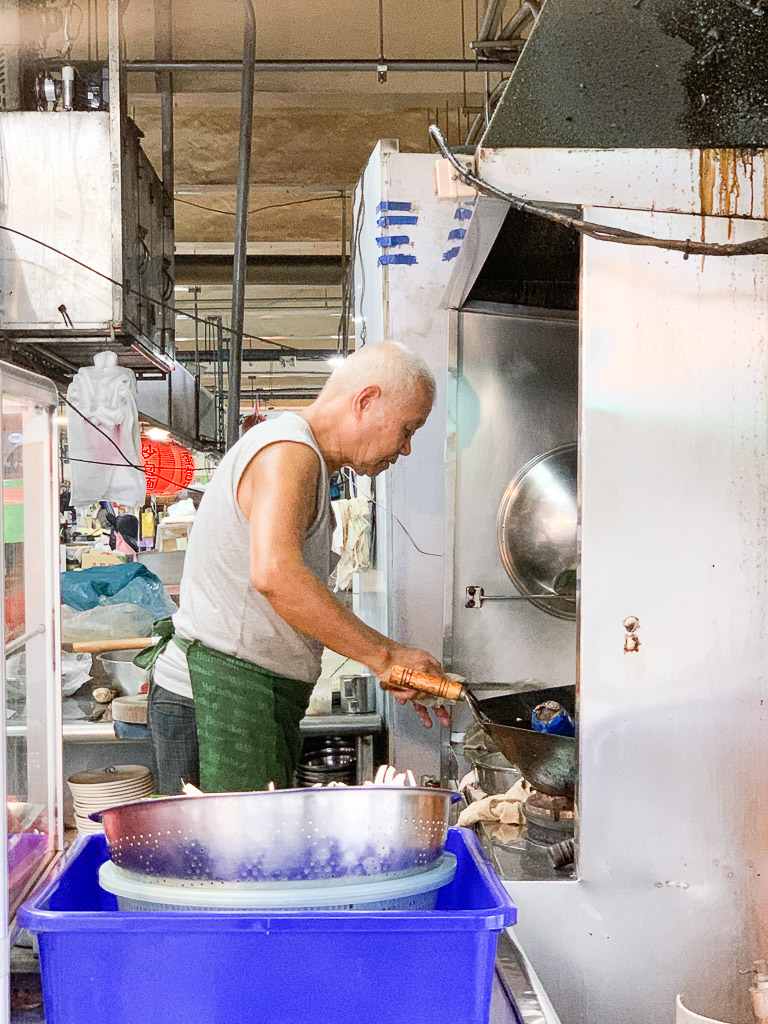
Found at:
[75, 670]
[103, 466]
[105, 622]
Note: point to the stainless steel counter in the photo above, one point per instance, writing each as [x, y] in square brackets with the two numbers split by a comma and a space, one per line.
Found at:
[83, 731]
[360, 727]
[516, 985]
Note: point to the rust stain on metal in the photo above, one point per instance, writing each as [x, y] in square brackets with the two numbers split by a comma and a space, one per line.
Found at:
[748, 166]
[632, 641]
[707, 170]
[722, 175]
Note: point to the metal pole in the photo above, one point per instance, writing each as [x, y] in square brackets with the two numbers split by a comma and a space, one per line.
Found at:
[344, 281]
[230, 66]
[164, 85]
[220, 424]
[241, 225]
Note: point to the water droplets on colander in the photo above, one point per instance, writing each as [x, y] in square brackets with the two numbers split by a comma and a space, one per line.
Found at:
[356, 832]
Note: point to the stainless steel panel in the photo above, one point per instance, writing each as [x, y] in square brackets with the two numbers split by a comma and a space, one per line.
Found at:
[172, 402]
[673, 804]
[487, 221]
[515, 398]
[55, 185]
[402, 303]
[101, 204]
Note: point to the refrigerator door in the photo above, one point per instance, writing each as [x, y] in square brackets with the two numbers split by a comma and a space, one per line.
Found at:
[30, 676]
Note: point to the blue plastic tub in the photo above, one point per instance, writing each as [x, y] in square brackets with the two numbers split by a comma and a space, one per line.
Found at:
[109, 966]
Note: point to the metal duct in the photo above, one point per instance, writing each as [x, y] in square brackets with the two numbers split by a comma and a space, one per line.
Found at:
[642, 74]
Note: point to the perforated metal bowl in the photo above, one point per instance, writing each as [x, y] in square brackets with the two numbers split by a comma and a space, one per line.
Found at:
[286, 835]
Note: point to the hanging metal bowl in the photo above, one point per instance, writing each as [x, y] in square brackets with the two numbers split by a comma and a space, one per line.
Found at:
[536, 531]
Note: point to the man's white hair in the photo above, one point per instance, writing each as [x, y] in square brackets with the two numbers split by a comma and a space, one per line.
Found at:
[394, 367]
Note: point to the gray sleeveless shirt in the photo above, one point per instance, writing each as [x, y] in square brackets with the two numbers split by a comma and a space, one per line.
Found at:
[218, 604]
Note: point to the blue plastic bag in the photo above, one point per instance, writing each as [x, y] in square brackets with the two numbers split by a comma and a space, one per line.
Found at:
[129, 583]
[552, 718]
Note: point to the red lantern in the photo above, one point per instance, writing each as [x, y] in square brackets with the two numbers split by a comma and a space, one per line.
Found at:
[168, 466]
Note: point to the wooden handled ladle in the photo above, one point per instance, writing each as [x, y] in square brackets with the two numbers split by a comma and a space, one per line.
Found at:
[435, 686]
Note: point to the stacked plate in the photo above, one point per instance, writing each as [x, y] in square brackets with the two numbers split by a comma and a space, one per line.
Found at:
[107, 787]
[327, 759]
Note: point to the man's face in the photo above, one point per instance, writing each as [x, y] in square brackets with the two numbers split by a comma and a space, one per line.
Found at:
[385, 428]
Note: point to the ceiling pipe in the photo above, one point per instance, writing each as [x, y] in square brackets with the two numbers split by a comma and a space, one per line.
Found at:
[241, 224]
[233, 66]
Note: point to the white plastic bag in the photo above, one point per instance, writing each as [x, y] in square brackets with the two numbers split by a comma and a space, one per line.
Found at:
[105, 622]
[75, 670]
[106, 394]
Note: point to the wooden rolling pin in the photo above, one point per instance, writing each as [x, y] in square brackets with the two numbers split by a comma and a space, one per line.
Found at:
[138, 643]
[435, 686]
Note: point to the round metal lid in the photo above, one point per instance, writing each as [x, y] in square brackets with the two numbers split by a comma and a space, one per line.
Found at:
[536, 531]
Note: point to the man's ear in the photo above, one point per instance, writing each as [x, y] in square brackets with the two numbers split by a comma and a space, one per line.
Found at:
[364, 398]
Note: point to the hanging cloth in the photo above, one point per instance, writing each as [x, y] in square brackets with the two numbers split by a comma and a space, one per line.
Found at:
[354, 526]
[106, 394]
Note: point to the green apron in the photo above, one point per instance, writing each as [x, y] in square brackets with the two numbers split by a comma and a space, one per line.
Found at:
[247, 718]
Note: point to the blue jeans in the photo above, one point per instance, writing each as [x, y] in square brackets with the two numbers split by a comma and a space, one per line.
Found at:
[173, 731]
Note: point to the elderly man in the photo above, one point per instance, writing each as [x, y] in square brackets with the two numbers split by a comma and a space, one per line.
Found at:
[255, 611]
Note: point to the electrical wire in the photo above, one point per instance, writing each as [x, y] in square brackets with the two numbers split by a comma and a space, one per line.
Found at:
[259, 209]
[142, 295]
[431, 554]
[117, 465]
[601, 232]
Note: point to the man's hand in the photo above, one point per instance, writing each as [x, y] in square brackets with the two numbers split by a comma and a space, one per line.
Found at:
[419, 661]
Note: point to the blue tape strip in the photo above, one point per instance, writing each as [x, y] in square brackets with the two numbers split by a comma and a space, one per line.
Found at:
[462, 214]
[456, 233]
[392, 205]
[387, 241]
[451, 254]
[396, 257]
[387, 220]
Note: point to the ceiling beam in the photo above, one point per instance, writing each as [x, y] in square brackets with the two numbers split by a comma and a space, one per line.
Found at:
[369, 66]
[253, 355]
[200, 269]
[330, 248]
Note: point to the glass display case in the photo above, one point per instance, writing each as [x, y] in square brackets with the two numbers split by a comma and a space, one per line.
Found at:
[30, 771]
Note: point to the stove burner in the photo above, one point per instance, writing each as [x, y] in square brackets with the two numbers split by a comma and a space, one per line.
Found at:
[550, 819]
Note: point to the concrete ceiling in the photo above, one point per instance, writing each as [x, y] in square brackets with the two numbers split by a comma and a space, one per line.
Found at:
[312, 133]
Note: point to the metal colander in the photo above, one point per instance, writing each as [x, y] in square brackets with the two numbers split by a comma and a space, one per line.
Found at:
[348, 833]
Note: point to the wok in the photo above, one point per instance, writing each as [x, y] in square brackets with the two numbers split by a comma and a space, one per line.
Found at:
[548, 762]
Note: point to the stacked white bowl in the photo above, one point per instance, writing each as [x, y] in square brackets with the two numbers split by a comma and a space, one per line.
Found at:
[100, 788]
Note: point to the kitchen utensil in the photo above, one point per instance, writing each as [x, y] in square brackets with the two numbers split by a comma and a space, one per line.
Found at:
[93, 646]
[126, 677]
[358, 695]
[132, 710]
[495, 774]
[282, 835]
[536, 531]
[548, 762]
[412, 892]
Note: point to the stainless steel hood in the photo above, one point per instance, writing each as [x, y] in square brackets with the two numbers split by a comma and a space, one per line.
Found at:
[639, 74]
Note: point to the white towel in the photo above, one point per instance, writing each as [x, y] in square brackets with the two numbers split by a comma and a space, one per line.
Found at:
[354, 540]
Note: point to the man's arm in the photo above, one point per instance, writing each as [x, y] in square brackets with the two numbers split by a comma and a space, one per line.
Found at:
[277, 493]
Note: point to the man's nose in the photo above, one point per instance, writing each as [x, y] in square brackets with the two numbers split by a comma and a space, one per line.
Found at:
[406, 447]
